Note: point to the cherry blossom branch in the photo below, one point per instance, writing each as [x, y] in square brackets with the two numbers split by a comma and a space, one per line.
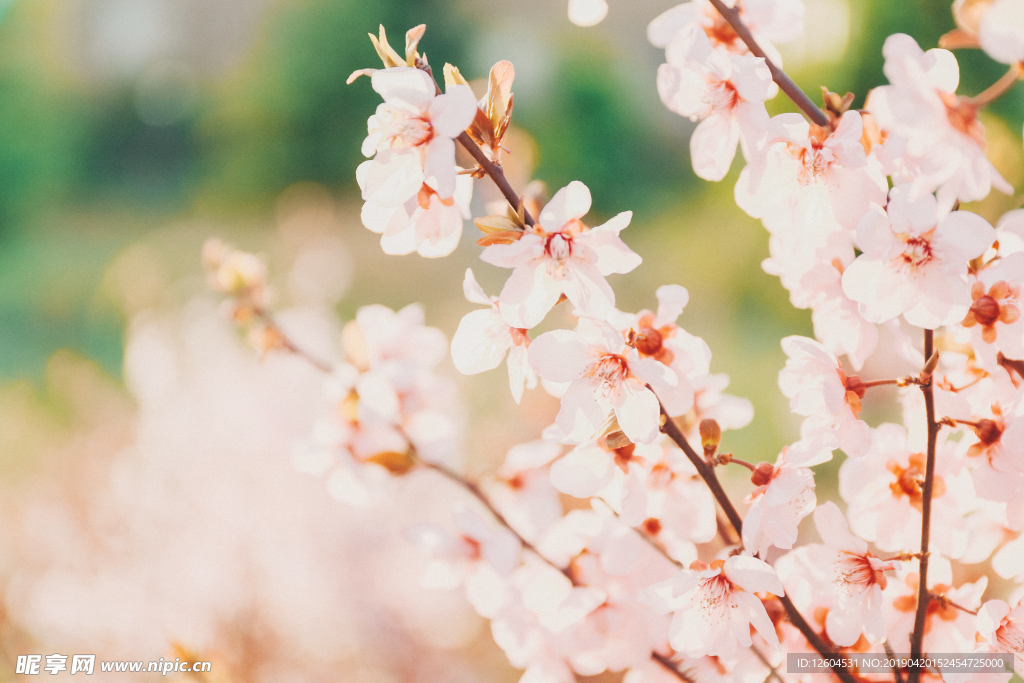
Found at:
[744, 463]
[898, 381]
[493, 170]
[707, 473]
[892, 656]
[285, 342]
[785, 83]
[495, 173]
[997, 89]
[943, 600]
[477, 493]
[670, 666]
[923, 595]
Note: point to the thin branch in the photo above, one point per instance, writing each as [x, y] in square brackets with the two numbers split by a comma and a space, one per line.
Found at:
[784, 82]
[707, 473]
[494, 171]
[898, 381]
[892, 656]
[923, 595]
[670, 666]
[997, 89]
[772, 671]
[474, 489]
[943, 600]
[286, 343]
[744, 463]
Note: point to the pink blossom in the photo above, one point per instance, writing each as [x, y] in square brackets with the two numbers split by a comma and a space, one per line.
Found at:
[996, 306]
[616, 475]
[914, 262]
[935, 140]
[816, 386]
[657, 336]
[784, 495]
[725, 92]
[1002, 628]
[858, 581]
[1001, 31]
[453, 557]
[424, 223]
[807, 180]
[560, 255]
[770, 21]
[413, 134]
[947, 629]
[714, 608]
[483, 337]
[883, 489]
[605, 376]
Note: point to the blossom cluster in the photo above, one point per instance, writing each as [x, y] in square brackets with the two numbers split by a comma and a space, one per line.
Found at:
[643, 573]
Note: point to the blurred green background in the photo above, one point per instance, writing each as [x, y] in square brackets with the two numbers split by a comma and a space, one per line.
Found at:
[161, 122]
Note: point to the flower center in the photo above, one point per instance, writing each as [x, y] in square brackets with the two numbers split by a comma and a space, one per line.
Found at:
[558, 249]
[963, 116]
[998, 305]
[854, 574]
[609, 371]
[916, 253]
[720, 32]
[985, 310]
[409, 130]
[713, 596]
[1010, 635]
[910, 479]
[649, 341]
[721, 96]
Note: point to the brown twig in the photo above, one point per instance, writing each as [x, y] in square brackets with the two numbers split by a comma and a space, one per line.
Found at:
[923, 595]
[494, 172]
[942, 599]
[286, 343]
[474, 489]
[997, 89]
[670, 666]
[892, 656]
[707, 473]
[785, 83]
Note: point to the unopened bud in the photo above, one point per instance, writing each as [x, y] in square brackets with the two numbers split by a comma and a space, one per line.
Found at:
[710, 436]
[762, 474]
[394, 462]
[930, 366]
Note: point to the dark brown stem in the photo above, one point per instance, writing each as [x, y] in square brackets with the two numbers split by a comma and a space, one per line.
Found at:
[784, 82]
[923, 595]
[474, 489]
[892, 656]
[707, 473]
[494, 171]
[670, 666]
[288, 345]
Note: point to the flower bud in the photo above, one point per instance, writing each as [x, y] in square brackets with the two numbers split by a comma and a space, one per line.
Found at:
[762, 474]
[710, 436]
